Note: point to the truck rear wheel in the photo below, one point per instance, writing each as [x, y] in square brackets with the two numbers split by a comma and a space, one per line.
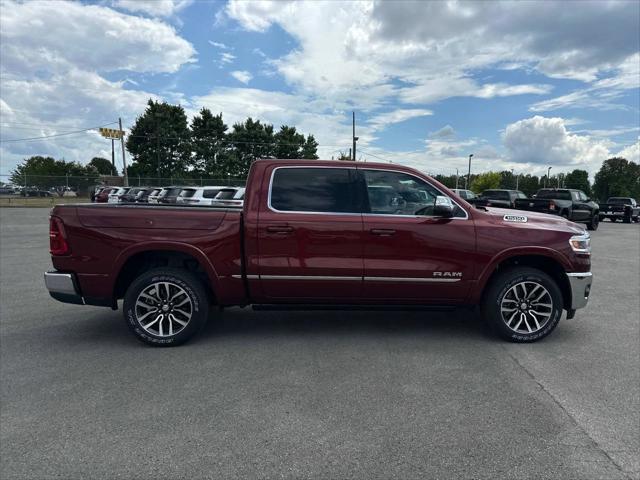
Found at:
[165, 307]
[522, 304]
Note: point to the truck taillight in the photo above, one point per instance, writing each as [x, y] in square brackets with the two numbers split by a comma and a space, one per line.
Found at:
[57, 237]
[552, 206]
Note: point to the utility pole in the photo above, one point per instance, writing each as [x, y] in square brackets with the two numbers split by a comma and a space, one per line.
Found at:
[517, 181]
[124, 161]
[113, 158]
[355, 139]
[457, 176]
[469, 172]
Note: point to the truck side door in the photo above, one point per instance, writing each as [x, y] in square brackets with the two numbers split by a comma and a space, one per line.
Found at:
[412, 257]
[309, 235]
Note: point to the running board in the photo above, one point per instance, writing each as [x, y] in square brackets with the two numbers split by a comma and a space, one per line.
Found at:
[294, 307]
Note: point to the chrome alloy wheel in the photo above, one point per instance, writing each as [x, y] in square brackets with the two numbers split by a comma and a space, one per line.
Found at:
[163, 309]
[526, 307]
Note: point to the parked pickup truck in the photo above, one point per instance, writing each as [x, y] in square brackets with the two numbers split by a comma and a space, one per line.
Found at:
[320, 234]
[623, 208]
[571, 204]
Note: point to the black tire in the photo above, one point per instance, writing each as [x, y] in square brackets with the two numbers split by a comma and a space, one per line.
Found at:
[178, 279]
[502, 286]
[613, 219]
[594, 221]
[626, 219]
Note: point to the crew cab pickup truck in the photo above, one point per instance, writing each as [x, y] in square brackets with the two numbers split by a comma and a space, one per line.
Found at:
[320, 234]
[571, 204]
[623, 208]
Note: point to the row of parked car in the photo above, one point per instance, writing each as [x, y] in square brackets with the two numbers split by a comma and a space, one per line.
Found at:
[570, 203]
[211, 195]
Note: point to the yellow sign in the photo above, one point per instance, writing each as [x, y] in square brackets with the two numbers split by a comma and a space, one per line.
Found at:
[111, 133]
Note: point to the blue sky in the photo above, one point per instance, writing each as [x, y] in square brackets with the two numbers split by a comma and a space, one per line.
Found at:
[521, 85]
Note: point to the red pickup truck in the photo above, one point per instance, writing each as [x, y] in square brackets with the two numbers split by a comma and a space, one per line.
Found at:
[320, 234]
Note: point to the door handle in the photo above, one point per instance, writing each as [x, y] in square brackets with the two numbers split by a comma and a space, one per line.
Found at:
[279, 229]
[384, 232]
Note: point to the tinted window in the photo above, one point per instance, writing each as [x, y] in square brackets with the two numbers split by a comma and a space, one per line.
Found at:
[187, 193]
[554, 194]
[225, 194]
[210, 193]
[313, 190]
[521, 195]
[395, 193]
[619, 201]
[496, 194]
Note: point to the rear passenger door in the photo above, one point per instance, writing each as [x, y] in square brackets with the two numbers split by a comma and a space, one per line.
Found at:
[310, 235]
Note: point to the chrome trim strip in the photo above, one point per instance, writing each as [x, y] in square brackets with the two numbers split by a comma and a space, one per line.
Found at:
[352, 279]
[308, 277]
[580, 274]
[412, 280]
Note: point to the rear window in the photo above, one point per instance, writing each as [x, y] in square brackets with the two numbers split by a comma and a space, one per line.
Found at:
[187, 193]
[225, 194]
[496, 194]
[328, 190]
[619, 200]
[554, 194]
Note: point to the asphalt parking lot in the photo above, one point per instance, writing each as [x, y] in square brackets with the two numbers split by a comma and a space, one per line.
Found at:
[318, 394]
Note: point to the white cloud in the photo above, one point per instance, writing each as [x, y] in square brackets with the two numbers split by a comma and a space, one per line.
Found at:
[242, 76]
[156, 8]
[219, 45]
[445, 132]
[631, 153]
[541, 140]
[380, 121]
[97, 38]
[53, 74]
[226, 57]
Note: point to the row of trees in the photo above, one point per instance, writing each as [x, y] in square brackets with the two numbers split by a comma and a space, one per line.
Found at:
[163, 144]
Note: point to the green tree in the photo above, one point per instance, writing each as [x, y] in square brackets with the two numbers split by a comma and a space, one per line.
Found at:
[289, 143]
[160, 141]
[310, 148]
[46, 173]
[485, 181]
[578, 179]
[528, 184]
[208, 142]
[102, 166]
[249, 141]
[617, 177]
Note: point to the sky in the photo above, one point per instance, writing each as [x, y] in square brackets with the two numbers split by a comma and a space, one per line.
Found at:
[520, 85]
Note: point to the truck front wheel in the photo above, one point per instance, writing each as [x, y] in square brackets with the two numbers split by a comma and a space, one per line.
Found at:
[522, 304]
[594, 221]
[165, 307]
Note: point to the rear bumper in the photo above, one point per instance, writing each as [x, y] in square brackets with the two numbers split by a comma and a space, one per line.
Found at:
[580, 283]
[63, 287]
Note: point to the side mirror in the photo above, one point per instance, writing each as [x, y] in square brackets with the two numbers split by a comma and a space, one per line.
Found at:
[443, 207]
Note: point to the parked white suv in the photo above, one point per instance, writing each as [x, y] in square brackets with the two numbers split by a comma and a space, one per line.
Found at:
[230, 196]
[116, 193]
[198, 195]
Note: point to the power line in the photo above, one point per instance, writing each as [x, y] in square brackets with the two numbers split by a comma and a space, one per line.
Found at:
[56, 135]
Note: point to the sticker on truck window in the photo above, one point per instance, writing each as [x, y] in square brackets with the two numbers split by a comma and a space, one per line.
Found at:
[515, 218]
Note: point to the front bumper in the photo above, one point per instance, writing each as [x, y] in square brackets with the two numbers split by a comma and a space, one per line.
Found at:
[580, 283]
[63, 287]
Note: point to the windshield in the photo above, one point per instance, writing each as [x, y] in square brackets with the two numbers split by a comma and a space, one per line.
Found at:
[554, 194]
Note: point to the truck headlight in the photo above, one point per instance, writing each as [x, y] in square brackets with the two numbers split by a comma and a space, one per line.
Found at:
[581, 243]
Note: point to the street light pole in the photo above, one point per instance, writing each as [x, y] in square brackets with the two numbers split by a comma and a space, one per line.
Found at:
[548, 180]
[469, 172]
[457, 176]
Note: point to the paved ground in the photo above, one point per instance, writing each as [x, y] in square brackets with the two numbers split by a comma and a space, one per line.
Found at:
[316, 395]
